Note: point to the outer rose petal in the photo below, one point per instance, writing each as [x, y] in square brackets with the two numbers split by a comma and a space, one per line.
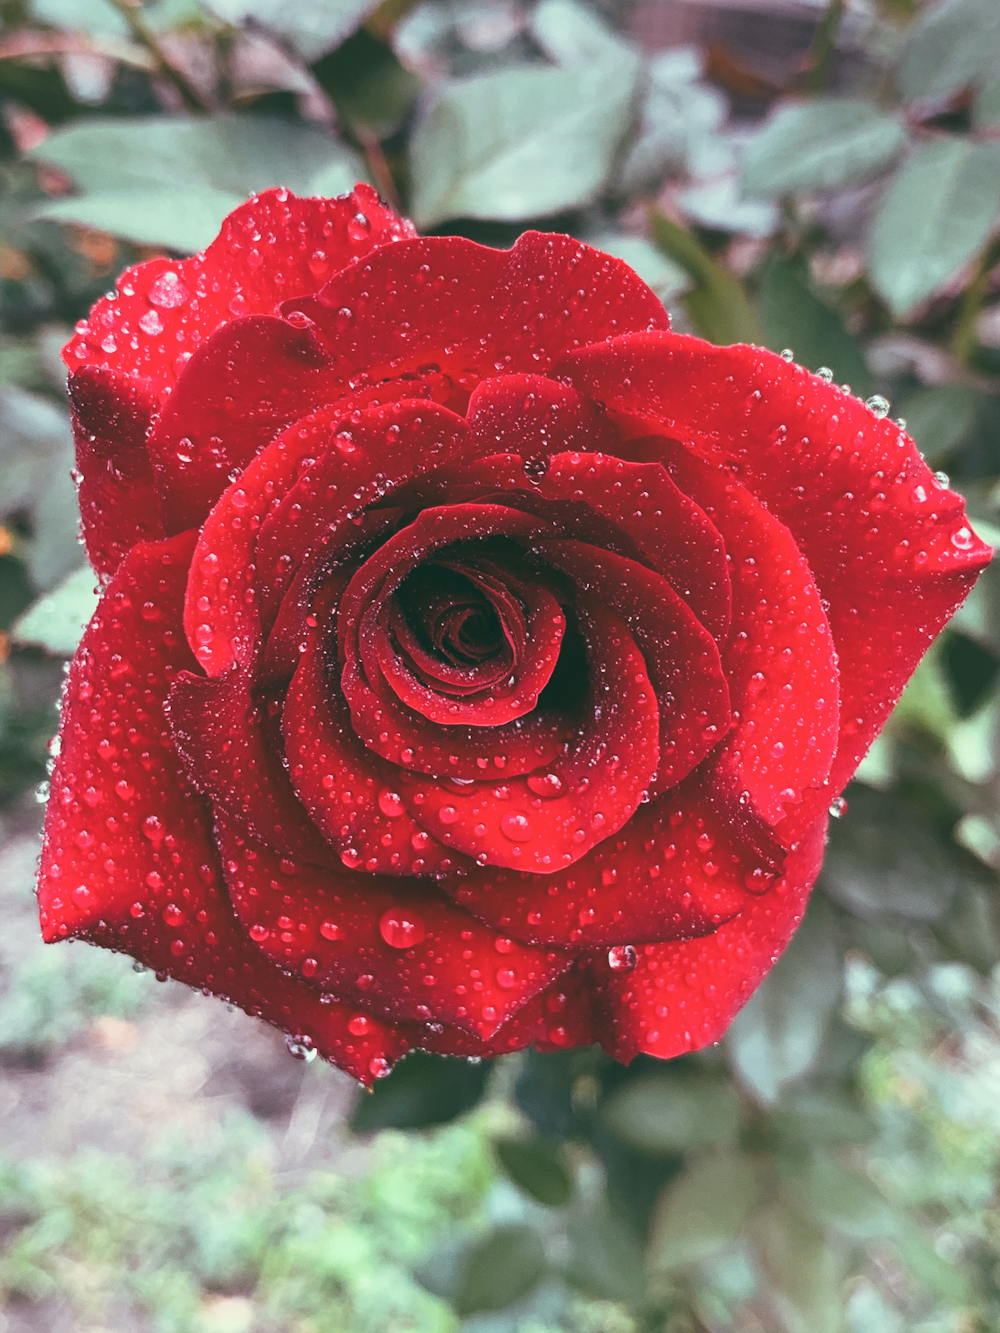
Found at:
[890, 551]
[675, 870]
[252, 378]
[405, 954]
[474, 310]
[683, 996]
[562, 1016]
[118, 504]
[234, 757]
[779, 661]
[164, 310]
[128, 860]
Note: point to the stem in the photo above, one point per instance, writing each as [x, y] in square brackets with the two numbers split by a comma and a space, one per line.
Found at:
[142, 32]
[963, 339]
[378, 166]
[823, 46]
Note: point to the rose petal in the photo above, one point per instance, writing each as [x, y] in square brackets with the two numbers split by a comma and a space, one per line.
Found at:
[118, 505]
[559, 1018]
[674, 871]
[371, 451]
[384, 724]
[231, 745]
[550, 818]
[406, 954]
[682, 996]
[221, 616]
[350, 794]
[472, 310]
[165, 309]
[250, 380]
[128, 859]
[680, 655]
[891, 552]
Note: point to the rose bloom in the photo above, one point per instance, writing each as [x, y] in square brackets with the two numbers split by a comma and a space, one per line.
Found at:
[478, 660]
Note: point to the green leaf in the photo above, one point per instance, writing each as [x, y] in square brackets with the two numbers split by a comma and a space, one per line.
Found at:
[884, 862]
[802, 1269]
[170, 181]
[36, 461]
[498, 1270]
[794, 316]
[369, 86]
[987, 107]
[56, 621]
[702, 1211]
[833, 1197]
[939, 417]
[934, 216]
[969, 933]
[607, 1261]
[717, 305]
[521, 143]
[821, 144]
[778, 1034]
[948, 46]
[809, 1117]
[421, 1090]
[665, 1114]
[537, 1168]
[663, 275]
[311, 29]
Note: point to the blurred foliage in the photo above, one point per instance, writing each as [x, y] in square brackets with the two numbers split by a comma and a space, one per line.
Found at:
[829, 184]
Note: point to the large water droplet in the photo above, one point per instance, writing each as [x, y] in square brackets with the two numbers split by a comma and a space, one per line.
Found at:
[516, 826]
[401, 929]
[622, 958]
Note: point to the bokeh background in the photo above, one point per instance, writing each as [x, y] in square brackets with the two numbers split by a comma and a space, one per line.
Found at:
[818, 176]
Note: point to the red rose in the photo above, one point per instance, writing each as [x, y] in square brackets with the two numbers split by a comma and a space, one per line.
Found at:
[478, 659]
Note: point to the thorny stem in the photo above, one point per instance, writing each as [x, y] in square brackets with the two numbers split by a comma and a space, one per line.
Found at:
[823, 46]
[141, 31]
[378, 166]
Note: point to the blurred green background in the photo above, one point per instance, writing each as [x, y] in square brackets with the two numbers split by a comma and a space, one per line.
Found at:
[819, 176]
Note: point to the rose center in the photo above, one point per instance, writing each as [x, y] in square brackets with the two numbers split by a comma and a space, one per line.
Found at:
[450, 616]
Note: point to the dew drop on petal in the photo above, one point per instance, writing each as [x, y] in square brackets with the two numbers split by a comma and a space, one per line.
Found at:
[622, 958]
[516, 826]
[401, 929]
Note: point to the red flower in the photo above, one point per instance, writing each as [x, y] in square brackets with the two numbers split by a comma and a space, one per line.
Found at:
[479, 659]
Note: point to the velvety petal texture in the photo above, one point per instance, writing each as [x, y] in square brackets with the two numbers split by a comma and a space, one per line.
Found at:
[478, 659]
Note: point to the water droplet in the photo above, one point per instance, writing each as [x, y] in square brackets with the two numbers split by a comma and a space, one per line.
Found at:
[546, 785]
[622, 958]
[516, 826]
[301, 1048]
[330, 930]
[506, 978]
[168, 292]
[962, 539]
[389, 803]
[877, 406]
[359, 1025]
[787, 354]
[401, 929]
[838, 807]
[825, 373]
